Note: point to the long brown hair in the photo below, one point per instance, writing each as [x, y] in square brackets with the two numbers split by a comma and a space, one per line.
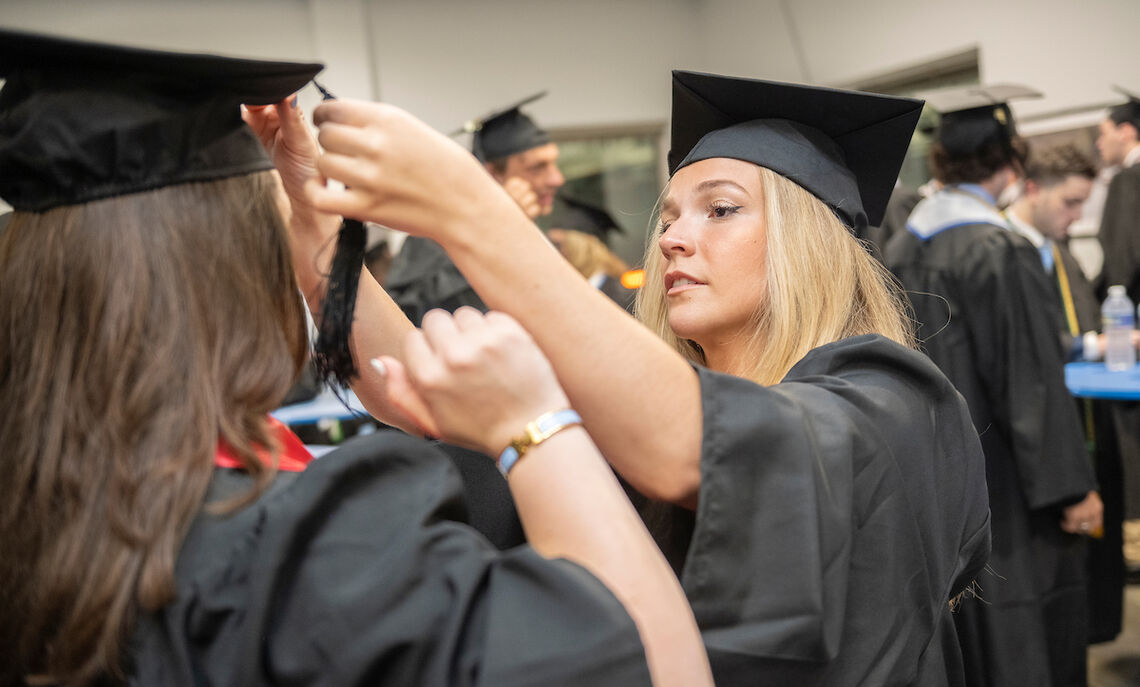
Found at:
[822, 285]
[135, 332]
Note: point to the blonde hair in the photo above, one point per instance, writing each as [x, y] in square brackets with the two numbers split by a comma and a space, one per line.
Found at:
[821, 285]
[587, 253]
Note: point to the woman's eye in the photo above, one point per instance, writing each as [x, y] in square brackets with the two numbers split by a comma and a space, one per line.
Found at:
[720, 211]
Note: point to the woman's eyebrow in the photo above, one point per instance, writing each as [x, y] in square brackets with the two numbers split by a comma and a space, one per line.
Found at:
[669, 204]
[710, 184]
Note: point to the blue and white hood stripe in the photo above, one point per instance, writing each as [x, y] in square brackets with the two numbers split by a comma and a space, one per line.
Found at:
[949, 208]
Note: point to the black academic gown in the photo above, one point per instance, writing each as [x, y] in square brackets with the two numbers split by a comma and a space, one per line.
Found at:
[985, 317]
[839, 511]
[423, 277]
[1120, 238]
[361, 571]
[1106, 560]
[1120, 232]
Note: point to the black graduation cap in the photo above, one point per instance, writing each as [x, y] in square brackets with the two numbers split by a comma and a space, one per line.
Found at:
[570, 213]
[974, 117]
[845, 147]
[505, 132]
[1128, 111]
[80, 121]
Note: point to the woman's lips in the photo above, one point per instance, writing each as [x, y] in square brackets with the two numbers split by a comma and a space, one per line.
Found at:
[678, 282]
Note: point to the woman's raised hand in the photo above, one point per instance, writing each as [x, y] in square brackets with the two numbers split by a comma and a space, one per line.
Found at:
[399, 172]
[289, 142]
[475, 380]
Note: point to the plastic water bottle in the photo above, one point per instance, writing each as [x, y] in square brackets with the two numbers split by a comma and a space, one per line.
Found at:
[1118, 320]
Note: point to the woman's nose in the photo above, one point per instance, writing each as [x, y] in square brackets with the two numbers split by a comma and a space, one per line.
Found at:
[675, 240]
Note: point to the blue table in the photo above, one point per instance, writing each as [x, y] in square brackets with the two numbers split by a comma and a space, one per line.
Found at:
[325, 406]
[1093, 380]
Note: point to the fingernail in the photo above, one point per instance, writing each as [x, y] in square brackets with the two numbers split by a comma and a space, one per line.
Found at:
[294, 101]
[379, 366]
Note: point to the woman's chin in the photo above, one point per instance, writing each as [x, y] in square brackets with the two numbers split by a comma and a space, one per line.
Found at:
[687, 328]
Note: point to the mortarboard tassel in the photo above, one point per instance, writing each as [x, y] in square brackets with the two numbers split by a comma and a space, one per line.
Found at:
[332, 355]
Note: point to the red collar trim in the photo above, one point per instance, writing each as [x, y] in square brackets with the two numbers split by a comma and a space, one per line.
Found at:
[294, 456]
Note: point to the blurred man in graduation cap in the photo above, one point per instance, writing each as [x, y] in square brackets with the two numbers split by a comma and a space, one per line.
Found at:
[521, 157]
[1119, 146]
[984, 310]
[1057, 184]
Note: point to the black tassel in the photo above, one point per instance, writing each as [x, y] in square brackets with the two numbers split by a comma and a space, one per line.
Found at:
[331, 353]
[332, 356]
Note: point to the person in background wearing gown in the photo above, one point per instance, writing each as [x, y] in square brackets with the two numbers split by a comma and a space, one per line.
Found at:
[589, 255]
[815, 481]
[1119, 145]
[158, 528]
[519, 155]
[1057, 185]
[986, 317]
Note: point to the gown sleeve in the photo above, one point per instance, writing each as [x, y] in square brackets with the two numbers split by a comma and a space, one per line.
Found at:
[767, 570]
[363, 573]
[839, 512]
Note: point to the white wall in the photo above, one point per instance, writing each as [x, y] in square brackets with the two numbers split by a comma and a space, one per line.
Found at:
[332, 31]
[1071, 51]
[607, 61]
[603, 61]
[272, 29]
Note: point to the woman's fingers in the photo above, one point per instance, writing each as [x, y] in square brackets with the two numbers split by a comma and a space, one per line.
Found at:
[292, 121]
[351, 112]
[468, 319]
[345, 202]
[353, 172]
[399, 171]
[403, 395]
[263, 120]
[423, 362]
[440, 331]
[350, 140]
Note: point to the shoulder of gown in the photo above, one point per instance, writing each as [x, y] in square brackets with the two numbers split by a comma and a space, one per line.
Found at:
[838, 513]
[361, 570]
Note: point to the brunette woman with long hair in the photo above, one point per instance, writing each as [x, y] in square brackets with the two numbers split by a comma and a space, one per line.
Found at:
[156, 527]
[816, 482]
